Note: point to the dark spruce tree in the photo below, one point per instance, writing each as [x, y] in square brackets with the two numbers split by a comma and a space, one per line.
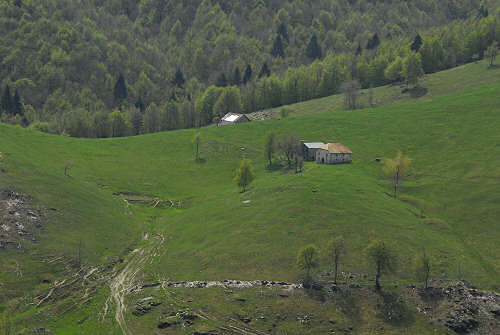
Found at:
[6, 103]
[221, 80]
[283, 32]
[236, 77]
[140, 105]
[248, 74]
[483, 11]
[17, 105]
[178, 79]
[359, 51]
[277, 50]
[417, 43]
[373, 42]
[264, 71]
[313, 50]
[120, 91]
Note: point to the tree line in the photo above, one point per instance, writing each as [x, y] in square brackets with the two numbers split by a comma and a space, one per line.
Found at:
[81, 68]
[380, 255]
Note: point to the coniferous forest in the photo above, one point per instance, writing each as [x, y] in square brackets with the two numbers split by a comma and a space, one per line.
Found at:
[95, 68]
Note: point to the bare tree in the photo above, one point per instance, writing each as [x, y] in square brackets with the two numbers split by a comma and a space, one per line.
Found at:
[290, 146]
[298, 162]
[270, 148]
[67, 167]
[197, 142]
[423, 268]
[336, 250]
[351, 93]
[371, 96]
[492, 52]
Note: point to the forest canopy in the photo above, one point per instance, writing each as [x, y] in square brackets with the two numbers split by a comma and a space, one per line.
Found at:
[95, 68]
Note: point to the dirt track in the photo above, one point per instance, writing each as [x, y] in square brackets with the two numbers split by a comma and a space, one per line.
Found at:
[124, 279]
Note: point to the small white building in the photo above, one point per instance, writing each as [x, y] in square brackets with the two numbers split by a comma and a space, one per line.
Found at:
[232, 118]
[333, 153]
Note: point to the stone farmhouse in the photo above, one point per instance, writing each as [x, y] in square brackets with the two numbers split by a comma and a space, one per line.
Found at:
[232, 118]
[309, 150]
[333, 153]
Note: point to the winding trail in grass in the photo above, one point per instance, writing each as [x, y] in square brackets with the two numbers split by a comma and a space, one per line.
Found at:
[123, 281]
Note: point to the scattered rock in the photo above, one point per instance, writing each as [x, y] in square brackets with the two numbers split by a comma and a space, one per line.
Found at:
[145, 306]
[244, 319]
[19, 222]
[306, 319]
[167, 322]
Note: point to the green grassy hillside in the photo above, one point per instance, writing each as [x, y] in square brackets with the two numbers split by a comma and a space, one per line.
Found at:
[453, 141]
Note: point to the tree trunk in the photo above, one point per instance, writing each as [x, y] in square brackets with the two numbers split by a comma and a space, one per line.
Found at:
[396, 182]
[336, 269]
[377, 277]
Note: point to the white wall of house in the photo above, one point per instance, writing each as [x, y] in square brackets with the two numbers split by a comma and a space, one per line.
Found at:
[323, 157]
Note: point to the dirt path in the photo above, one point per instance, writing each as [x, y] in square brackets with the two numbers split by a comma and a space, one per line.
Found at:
[122, 282]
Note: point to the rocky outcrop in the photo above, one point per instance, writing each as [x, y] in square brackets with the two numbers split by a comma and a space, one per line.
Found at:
[463, 308]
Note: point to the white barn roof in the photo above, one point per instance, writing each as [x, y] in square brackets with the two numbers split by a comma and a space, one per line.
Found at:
[231, 117]
[314, 145]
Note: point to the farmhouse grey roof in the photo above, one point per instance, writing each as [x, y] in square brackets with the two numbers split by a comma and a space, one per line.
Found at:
[314, 145]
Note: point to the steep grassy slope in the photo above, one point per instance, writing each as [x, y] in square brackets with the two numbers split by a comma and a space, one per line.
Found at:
[453, 140]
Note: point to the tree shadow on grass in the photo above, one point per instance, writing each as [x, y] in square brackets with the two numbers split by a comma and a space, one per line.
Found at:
[394, 310]
[348, 304]
[418, 92]
[276, 166]
[201, 160]
[494, 66]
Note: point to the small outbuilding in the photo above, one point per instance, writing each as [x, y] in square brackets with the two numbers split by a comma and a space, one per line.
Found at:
[232, 118]
[309, 150]
[333, 153]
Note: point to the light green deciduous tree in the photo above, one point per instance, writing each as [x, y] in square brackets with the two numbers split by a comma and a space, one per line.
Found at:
[244, 174]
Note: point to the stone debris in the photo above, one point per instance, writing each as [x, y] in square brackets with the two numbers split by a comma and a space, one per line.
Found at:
[19, 222]
[235, 284]
[304, 319]
[468, 310]
[261, 115]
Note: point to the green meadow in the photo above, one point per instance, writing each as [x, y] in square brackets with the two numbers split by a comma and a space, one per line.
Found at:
[449, 204]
